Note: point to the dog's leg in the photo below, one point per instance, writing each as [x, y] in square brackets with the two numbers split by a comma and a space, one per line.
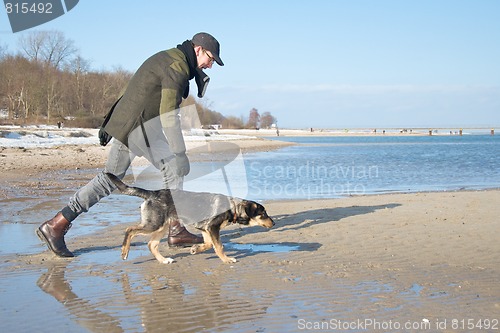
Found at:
[214, 234]
[207, 244]
[130, 233]
[154, 243]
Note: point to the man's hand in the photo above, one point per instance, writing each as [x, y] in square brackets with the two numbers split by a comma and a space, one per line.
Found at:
[104, 137]
[182, 163]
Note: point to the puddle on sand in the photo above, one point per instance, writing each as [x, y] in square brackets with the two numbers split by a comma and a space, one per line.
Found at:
[17, 238]
[277, 248]
[416, 288]
[112, 256]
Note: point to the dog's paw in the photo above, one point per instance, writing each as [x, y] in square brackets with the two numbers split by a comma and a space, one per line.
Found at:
[168, 261]
[230, 260]
[124, 254]
[198, 248]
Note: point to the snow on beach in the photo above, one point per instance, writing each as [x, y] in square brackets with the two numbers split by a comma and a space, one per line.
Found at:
[45, 136]
[51, 136]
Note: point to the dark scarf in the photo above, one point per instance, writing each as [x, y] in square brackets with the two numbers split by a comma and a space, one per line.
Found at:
[201, 78]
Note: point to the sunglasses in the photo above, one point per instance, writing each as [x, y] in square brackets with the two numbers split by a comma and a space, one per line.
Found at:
[212, 59]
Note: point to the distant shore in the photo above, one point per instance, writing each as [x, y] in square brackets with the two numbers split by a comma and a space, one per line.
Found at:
[357, 132]
[276, 132]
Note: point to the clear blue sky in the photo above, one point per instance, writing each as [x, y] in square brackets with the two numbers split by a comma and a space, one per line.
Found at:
[322, 64]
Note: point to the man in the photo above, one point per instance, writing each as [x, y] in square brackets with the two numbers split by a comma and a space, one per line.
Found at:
[145, 117]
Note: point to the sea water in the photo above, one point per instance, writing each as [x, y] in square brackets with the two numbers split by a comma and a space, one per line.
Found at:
[332, 167]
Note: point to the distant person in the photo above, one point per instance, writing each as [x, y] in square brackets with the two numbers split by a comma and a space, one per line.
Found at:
[153, 95]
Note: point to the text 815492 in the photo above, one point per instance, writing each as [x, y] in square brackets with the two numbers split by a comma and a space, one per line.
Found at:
[25, 8]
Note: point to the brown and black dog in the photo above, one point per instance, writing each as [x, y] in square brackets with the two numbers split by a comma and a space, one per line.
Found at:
[208, 212]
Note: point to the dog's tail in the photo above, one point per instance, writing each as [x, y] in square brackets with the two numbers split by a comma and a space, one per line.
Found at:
[129, 190]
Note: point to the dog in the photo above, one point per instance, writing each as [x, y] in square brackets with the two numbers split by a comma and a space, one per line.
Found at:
[208, 212]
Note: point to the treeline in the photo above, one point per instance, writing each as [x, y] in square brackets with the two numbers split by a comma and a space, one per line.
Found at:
[48, 82]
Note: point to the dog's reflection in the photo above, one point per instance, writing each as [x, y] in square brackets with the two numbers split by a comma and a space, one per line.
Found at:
[151, 302]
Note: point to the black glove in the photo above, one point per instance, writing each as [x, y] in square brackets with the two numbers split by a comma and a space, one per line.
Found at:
[182, 163]
[104, 137]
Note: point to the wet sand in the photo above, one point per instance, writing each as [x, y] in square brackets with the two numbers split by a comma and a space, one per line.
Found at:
[424, 261]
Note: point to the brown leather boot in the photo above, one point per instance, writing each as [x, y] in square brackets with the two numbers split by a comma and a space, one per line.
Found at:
[52, 233]
[179, 236]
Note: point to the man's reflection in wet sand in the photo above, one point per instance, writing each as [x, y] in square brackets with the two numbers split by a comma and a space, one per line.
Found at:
[84, 312]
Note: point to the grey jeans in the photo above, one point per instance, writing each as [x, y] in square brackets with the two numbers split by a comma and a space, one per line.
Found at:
[119, 161]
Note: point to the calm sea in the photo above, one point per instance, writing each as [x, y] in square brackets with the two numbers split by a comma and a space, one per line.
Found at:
[330, 167]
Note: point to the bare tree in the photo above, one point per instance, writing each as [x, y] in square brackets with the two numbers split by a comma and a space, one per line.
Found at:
[32, 43]
[20, 81]
[58, 49]
[266, 120]
[253, 118]
[51, 92]
[50, 47]
[80, 68]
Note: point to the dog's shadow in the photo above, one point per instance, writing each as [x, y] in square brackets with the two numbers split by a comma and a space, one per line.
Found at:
[308, 218]
[295, 221]
[90, 249]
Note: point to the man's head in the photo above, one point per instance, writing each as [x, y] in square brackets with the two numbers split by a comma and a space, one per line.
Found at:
[207, 50]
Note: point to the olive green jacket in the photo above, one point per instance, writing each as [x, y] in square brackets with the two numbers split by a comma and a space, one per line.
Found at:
[153, 95]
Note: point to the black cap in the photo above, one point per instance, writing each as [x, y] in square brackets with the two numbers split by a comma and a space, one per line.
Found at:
[209, 43]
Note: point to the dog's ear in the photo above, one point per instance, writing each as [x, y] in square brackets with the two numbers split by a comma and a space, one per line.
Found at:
[251, 209]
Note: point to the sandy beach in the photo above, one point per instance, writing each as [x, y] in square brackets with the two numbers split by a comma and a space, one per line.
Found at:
[397, 262]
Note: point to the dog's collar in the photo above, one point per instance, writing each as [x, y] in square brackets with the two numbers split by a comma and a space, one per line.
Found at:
[235, 211]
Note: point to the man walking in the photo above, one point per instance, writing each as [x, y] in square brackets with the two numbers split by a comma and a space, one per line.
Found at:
[146, 116]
